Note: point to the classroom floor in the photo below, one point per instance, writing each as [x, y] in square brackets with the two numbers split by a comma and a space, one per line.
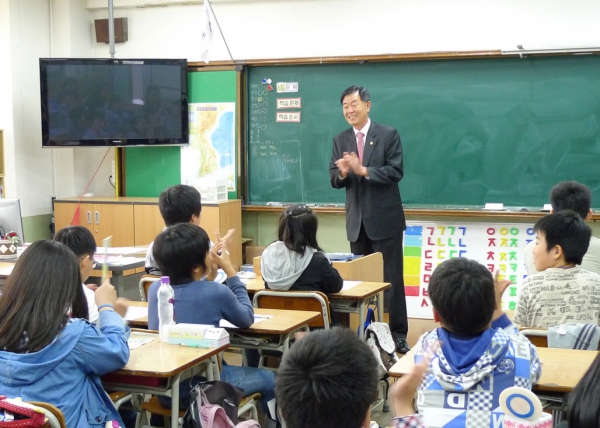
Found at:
[416, 327]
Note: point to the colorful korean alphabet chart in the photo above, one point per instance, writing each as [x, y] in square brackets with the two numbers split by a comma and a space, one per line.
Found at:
[498, 246]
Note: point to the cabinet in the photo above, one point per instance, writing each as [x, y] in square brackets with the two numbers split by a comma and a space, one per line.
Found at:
[137, 221]
[2, 187]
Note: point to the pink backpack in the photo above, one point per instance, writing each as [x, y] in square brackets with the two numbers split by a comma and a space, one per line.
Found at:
[208, 415]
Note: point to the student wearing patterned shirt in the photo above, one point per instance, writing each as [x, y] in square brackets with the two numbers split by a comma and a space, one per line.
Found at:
[481, 352]
[563, 292]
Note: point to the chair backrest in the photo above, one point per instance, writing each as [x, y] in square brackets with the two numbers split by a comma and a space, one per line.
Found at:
[145, 283]
[297, 301]
[256, 265]
[53, 413]
[537, 336]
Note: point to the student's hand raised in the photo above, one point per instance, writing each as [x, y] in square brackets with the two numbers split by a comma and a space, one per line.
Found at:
[106, 294]
[221, 255]
[500, 287]
[404, 389]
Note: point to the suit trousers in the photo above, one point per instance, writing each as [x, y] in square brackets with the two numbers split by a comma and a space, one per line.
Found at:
[393, 272]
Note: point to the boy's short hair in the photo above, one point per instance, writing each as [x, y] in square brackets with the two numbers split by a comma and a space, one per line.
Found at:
[180, 249]
[462, 293]
[571, 195]
[78, 239]
[179, 203]
[327, 379]
[567, 229]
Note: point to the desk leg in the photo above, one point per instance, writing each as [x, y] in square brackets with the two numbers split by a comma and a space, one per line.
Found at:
[361, 318]
[118, 281]
[175, 401]
[380, 307]
[214, 362]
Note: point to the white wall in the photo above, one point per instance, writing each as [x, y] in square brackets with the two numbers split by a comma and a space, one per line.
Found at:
[307, 28]
[253, 29]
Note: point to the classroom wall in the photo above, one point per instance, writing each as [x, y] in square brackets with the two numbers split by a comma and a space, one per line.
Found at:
[30, 29]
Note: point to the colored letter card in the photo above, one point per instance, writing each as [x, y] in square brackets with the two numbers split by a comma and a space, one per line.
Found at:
[288, 117]
[499, 247]
[289, 103]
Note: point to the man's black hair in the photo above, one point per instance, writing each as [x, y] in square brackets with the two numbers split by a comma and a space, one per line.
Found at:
[179, 203]
[567, 229]
[180, 249]
[462, 293]
[571, 195]
[327, 379]
[362, 93]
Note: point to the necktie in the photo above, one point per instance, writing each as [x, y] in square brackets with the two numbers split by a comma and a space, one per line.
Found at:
[360, 145]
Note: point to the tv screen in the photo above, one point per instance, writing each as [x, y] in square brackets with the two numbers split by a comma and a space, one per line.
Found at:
[114, 102]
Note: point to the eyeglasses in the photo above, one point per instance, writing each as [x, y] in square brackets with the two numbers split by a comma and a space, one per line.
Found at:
[94, 262]
[296, 210]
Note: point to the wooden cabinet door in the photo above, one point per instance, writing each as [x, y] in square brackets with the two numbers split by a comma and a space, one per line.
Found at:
[148, 223]
[115, 220]
[65, 211]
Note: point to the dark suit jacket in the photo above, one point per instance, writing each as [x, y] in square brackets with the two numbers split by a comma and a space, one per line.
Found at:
[374, 201]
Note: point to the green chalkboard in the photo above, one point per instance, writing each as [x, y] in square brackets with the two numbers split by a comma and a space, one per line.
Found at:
[150, 170]
[473, 130]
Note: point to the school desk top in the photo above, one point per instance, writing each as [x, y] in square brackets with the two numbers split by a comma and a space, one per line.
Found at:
[562, 369]
[282, 322]
[159, 359]
[360, 291]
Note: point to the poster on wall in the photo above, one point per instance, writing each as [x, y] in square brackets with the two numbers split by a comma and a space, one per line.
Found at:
[498, 246]
[211, 153]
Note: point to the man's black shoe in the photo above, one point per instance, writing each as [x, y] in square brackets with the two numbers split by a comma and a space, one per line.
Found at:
[402, 346]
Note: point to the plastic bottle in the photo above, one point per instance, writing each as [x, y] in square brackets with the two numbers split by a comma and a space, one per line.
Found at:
[166, 298]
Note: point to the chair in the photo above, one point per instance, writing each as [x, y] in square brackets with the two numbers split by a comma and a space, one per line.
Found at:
[296, 301]
[55, 417]
[537, 336]
[256, 265]
[145, 283]
[119, 397]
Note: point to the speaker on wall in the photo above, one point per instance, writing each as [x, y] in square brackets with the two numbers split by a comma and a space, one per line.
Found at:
[121, 33]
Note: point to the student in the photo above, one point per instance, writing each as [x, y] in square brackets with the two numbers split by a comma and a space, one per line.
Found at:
[570, 195]
[183, 253]
[47, 356]
[177, 204]
[81, 241]
[582, 408]
[180, 204]
[481, 351]
[327, 379]
[295, 261]
[563, 292]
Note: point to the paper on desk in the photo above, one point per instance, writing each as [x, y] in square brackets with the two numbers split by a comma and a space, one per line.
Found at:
[257, 318]
[6, 271]
[350, 284]
[122, 251]
[136, 342]
[117, 260]
[136, 312]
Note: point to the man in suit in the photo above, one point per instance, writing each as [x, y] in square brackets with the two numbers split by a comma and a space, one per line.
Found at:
[367, 161]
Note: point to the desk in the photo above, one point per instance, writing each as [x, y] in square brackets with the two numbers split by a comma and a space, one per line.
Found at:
[561, 368]
[354, 300]
[269, 334]
[170, 362]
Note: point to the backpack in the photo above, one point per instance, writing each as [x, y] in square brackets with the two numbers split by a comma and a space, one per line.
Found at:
[379, 338]
[202, 414]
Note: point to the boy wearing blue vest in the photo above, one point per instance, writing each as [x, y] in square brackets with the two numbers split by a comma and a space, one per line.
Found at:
[481, 351]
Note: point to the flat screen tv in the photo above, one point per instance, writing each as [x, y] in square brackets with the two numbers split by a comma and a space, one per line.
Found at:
[113, 102]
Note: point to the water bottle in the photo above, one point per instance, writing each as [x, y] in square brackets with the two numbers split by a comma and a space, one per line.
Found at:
[166, 298]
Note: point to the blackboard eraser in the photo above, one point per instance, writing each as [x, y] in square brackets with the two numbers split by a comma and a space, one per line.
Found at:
[274, 204]
[547, 207]
[493, 206]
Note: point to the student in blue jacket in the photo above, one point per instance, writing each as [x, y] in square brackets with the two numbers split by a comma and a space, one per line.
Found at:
[184, 254]
[47, 356]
